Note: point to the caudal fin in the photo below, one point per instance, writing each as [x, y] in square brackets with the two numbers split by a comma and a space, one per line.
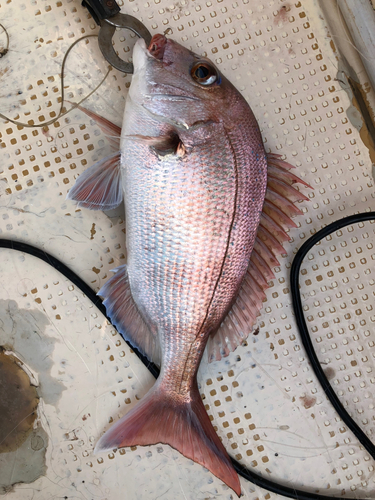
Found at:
[160, 418]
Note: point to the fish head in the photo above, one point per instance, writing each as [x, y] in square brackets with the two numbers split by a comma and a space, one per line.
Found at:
[180, 87]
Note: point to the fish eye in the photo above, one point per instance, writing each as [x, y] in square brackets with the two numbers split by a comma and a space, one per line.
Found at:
[204, 73]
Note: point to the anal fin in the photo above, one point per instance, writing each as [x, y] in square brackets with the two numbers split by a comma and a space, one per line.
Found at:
[124, 314]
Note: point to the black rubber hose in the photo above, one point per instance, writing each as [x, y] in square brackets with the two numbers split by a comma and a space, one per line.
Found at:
[303, 330]
[77, 281]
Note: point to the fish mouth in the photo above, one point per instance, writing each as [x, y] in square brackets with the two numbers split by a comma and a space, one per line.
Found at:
[157, 46]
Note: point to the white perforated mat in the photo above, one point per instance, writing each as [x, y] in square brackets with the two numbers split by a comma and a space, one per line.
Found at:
[264, 399]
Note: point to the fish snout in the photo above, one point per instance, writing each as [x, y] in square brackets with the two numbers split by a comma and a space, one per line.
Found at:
[157, 46]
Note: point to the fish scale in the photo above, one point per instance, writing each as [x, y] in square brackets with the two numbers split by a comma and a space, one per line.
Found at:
[188, 238]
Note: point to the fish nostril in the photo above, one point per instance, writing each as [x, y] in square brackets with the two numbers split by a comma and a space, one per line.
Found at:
[157, 46]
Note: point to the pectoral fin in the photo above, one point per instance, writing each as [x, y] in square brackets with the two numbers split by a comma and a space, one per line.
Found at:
[99, 187]
[163, 145]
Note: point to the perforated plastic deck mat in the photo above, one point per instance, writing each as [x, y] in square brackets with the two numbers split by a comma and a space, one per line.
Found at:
[264, 399]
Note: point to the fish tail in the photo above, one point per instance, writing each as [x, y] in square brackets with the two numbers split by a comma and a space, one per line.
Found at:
[184, 425]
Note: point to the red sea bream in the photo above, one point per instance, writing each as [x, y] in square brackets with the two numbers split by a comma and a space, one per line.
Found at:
[201, 236]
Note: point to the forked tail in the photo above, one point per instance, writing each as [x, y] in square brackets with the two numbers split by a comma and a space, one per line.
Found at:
[160, 418]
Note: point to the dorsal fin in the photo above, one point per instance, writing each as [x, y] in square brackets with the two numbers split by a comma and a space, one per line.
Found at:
[125, 316]
[278, 208]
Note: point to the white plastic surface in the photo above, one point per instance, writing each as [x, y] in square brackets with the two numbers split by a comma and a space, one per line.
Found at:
[360, 19]
[264, 399]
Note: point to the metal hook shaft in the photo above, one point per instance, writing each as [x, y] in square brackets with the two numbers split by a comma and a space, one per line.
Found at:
[107, 30]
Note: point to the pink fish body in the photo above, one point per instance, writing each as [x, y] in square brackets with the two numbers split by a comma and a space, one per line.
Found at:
[194, 178]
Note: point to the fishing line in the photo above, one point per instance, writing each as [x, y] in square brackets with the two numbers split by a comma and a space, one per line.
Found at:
[251, 476]
[61, 112]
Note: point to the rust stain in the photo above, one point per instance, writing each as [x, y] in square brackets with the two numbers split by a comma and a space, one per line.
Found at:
[282, 14]
[3, 71]
[45, 131]
[308, 401]
[71, 436]
[92, 231]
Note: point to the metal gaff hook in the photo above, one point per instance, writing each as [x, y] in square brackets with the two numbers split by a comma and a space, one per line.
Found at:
[106, 14]
[107, 31]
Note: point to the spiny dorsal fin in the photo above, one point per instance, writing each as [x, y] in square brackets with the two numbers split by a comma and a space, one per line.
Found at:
[277, 210]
